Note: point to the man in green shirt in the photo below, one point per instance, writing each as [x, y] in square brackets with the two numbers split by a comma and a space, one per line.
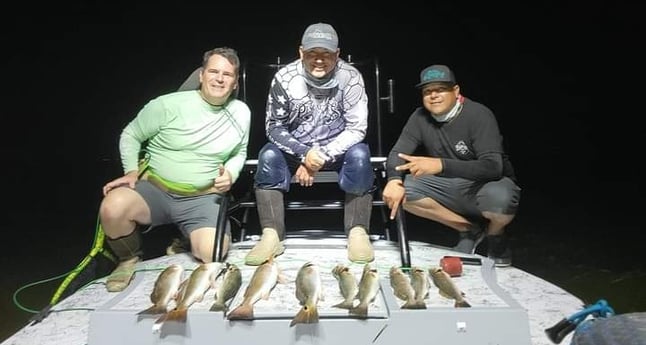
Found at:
[196, 146]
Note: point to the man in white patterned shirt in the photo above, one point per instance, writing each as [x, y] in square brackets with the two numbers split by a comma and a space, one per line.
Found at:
[316, 118]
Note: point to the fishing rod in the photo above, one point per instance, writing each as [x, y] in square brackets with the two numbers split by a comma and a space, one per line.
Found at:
[97, 248]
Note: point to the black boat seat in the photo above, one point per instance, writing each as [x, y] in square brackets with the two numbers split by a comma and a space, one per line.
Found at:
[247, 203]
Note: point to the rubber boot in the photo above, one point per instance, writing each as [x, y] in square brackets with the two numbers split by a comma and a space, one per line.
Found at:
[128, 250]
[268, 246]
[359, 246]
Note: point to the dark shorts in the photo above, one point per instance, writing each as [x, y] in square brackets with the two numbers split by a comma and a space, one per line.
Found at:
[187, 212]
[466, 197]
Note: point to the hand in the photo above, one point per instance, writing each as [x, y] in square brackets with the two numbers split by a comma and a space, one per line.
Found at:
[393, 195]
[304, 176]
[419, 165]
[314, 159]
[223, 182]
[128, 179]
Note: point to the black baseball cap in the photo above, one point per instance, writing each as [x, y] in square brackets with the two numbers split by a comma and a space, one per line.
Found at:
[436, 74]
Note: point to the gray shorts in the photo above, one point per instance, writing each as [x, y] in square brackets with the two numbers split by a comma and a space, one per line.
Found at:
[187, 212]
[465, 197]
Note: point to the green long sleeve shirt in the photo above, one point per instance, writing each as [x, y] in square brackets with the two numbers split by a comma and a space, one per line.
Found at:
[188, 138]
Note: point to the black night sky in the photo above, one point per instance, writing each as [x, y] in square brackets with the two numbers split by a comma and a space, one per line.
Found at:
[561, 78]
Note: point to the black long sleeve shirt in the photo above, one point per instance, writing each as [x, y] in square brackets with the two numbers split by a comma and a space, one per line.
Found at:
[470, 145]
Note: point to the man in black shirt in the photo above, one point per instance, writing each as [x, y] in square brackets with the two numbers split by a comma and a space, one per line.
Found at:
[465, 180]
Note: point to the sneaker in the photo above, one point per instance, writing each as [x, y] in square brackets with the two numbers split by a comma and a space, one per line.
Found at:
[498, 250]
[120, 278]
[269, 245]
[359, 246]
[469, 241]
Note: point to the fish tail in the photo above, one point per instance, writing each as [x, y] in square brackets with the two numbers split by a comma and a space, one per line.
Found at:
[307, 314]
[178, 315]
[154, 310]
[462, 304]
[217, 306]
[344, 305]
[361, 309]
[241, 312]
[157, 325]
[415, 304]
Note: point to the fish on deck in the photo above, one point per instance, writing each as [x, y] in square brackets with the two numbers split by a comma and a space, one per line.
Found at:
[347, 285]
[262, 282]
[368, 289]
[165, 290]
[197, 284]
[447, 287]
[309, 291]
[228, 287]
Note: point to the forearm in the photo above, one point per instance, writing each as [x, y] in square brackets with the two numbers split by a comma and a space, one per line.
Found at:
[487, 167]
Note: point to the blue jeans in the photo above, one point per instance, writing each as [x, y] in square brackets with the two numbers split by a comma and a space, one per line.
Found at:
[275, 169]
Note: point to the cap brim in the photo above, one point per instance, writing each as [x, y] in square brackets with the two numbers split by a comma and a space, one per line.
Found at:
[319, 45]
[421, 85]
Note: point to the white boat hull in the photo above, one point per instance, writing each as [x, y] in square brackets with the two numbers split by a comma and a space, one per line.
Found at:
[509, 306]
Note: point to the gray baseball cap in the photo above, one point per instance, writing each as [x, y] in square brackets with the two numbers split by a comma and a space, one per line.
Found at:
[320, 35]
[436, 74]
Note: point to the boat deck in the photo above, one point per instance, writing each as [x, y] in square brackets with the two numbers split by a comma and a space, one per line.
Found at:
[509, 306]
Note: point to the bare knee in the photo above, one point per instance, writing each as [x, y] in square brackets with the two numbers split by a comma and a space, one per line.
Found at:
[116, 203]
[498, 219]
[202, 243]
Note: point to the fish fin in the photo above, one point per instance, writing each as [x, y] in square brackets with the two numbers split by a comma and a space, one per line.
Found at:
[153, 310]
[181, 290]
[241, 312]
[307, 314]
[344, 305]
[157, 325]
[178, 315]
[360, 310]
